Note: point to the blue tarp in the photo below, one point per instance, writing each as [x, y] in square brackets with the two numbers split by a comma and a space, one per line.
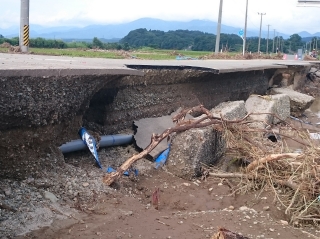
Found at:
[162, 158]
[185, 58]
[91, 143]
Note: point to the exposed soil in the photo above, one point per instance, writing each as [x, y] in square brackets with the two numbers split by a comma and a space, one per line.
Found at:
[86, 208]
[186, 210]
[70, 201]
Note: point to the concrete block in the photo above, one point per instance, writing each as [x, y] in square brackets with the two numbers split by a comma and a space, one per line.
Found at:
[193, 148]
[270, 104]
[232, 110]
[298, 102]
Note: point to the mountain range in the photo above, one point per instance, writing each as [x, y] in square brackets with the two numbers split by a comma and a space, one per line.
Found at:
[118, 31]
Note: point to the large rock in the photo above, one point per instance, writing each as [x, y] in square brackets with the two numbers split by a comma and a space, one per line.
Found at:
[192, 149]
[298, 102]
[267, 107]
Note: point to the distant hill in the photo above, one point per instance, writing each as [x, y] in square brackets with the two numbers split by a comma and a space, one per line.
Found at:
[116, 31]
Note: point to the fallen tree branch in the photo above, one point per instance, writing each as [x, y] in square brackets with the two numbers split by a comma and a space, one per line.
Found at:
[156, 139]
[181, 126]
[269, 158]
[228, 175]
[281, 134]
[288, 184]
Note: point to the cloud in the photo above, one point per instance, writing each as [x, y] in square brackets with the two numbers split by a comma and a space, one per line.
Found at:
[283, 15]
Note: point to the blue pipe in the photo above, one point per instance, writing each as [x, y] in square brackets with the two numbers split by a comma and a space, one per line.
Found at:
[106, 140]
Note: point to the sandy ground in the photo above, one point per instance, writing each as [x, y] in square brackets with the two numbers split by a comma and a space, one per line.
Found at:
[186, 210]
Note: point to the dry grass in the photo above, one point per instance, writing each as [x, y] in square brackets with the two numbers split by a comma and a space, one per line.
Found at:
[294, 181]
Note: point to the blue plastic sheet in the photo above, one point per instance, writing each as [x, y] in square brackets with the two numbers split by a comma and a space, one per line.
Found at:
[91, 144]
[185, 58]
[162, 158]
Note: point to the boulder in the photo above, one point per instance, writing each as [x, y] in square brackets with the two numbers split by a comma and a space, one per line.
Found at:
[298, 102]
[192, 149]
[271, 104]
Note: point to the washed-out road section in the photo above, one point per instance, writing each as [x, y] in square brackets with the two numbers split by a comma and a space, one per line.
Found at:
[44, 100]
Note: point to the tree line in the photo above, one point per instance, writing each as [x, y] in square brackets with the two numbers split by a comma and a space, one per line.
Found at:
[175, 40]
[200, 41]
[60, 44]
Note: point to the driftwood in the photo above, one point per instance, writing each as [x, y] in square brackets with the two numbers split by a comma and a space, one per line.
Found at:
[181, 126]
[288, 183]
[271, 157]
[226, 234]
[156, 139]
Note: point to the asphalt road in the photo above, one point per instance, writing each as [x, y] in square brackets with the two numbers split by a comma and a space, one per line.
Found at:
[24, 64]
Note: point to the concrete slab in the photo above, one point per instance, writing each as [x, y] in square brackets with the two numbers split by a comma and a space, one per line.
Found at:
[10, 63]
[148, 126]
[38, 65]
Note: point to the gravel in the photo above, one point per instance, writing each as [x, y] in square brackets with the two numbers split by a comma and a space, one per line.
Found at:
[35, 202]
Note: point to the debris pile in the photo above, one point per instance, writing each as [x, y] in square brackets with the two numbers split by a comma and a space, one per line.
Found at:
[293, 177]
[257, 141]
[11, 49]
[5, 45]
[246, 56]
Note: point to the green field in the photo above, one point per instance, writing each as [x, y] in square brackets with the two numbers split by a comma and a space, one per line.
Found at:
[143, 53]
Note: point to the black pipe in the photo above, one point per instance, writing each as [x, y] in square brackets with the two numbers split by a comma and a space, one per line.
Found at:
[106, 140]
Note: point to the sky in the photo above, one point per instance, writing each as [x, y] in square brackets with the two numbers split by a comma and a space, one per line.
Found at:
[282, 15]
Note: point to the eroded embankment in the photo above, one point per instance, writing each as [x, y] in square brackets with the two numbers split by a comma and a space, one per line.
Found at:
[38, 114]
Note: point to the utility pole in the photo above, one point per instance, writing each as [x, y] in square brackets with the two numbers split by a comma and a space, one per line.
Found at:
[24, 26]
[274, 36]
[245, 30]
[218, 28]
[268, 40]
[278, 41]
[310, 45]
[261, 14]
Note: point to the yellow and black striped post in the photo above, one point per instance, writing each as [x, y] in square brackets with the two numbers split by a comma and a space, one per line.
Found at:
[24, 26]
[26, 35]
